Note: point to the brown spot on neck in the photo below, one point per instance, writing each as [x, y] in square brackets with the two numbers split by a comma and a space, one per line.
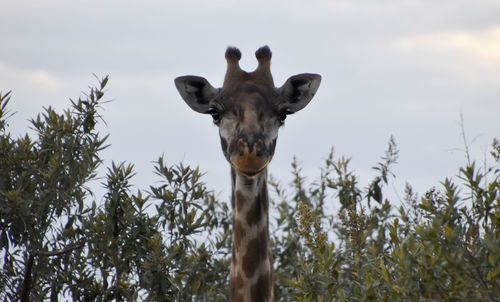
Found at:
[260, 208]
[237, 298]
[238, 233]
[256, 253]
[262, 290]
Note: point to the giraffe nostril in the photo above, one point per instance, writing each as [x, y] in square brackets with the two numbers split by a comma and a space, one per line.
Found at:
[241, 146]
[259, 147]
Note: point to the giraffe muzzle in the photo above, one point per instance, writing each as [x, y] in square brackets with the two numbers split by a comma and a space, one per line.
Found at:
[250, 160]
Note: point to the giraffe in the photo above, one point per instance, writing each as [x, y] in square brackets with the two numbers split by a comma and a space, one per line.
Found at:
[249, 110]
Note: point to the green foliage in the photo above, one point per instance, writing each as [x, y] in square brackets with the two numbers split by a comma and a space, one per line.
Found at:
[332, 239]
[42, 194]
[444, 246]
[58, 240]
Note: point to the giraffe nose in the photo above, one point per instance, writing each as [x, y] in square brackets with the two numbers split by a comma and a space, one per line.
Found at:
[250, 147]
[250, 158]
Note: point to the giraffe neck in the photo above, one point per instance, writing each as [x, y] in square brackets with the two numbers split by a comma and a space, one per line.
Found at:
[251, 266]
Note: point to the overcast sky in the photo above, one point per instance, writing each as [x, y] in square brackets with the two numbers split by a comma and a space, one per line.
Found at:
[390, 67]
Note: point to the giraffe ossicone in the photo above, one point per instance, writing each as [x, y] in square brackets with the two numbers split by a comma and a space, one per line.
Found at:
[249, 110]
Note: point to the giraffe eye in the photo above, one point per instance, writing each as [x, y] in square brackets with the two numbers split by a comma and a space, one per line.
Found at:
[215, 114]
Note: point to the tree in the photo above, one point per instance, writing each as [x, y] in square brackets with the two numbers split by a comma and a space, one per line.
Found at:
[42, 196]
[58, 241]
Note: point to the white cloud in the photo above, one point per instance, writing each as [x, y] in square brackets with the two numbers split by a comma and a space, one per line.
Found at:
[482, 45]
[42, 77]
[12, 75]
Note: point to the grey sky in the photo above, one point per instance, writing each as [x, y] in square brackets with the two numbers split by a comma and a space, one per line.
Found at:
[405, 68]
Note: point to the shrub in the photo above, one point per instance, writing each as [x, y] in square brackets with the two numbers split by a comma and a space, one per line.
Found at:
[443, 246]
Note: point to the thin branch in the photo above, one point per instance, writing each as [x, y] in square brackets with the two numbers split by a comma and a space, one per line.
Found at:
[58, 252]
[24, 289]
[464, 138]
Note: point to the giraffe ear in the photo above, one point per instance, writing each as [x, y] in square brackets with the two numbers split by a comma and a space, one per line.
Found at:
[196, 92]
[298, 91]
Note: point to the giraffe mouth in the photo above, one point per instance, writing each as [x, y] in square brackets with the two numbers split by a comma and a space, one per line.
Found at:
[250, 174]
[249, 165]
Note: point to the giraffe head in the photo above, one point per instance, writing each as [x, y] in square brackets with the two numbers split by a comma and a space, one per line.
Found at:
[248, 109]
